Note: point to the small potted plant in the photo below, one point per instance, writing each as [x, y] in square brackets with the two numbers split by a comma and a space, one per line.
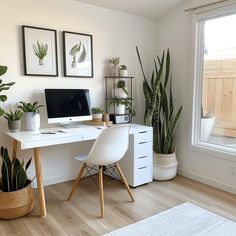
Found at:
[207, 123]
[115, 65]
[16, 194]
[121, 90]
[31, 115]
[123, 71]
[97, 113]
[122, 105]
[14, 120]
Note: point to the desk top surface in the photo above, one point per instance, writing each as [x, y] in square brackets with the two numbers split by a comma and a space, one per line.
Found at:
[59, 135]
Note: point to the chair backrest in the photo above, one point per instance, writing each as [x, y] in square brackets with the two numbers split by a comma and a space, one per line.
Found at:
[110, 146]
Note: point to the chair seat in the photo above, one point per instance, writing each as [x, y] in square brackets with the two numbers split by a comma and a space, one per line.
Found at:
[81, 158]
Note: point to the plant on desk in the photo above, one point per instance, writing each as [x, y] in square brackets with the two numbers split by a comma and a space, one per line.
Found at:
[31, 116]
[14, 120]
[16, 195]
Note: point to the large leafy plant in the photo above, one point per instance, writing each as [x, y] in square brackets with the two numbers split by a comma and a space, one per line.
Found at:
[13, 172]
[3, 86]
[159, 109]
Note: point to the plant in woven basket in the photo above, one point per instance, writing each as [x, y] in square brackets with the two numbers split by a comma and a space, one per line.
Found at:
[13, 173]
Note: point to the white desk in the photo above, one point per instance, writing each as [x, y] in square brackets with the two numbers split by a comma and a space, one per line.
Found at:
[35, 141]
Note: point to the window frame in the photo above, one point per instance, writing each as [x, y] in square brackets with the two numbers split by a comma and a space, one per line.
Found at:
[197, 60]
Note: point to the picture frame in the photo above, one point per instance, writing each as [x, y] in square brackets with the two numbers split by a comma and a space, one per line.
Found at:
[39, 51]
[78, 54]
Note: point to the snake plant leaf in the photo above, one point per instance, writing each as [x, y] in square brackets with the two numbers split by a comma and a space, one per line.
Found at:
[167, 145]
[171, 105]
[141, 65]
[3, 70]
[83, 55]
[167, 68]
[28, 164]
[6, 169]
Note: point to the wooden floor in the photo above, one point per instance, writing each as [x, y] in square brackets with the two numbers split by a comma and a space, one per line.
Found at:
[79, 215]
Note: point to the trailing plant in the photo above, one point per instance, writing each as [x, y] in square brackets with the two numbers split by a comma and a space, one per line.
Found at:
[123, 67]
[97, 110]
[122, 85]
[29, 107]
[16, 115]
[159, 109]
[3, 86]
[13, 172]
[41, 50]
[115, 61]
[123, 101]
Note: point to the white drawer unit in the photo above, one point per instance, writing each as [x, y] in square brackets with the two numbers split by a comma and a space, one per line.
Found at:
[137, 164]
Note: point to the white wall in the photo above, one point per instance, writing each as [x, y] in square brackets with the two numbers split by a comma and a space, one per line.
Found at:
[114, 34]
[174, 32]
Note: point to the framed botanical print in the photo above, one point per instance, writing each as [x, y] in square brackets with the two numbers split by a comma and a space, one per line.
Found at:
[78, 54]
[40, 51]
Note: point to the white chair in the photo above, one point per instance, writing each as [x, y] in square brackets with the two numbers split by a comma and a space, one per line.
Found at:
[110, 146]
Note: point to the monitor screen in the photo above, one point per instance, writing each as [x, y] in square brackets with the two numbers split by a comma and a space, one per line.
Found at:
[68, 105]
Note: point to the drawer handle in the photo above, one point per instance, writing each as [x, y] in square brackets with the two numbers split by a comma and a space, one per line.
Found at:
[143, 132]
[143, 142]
[143, 167]
[142, 157]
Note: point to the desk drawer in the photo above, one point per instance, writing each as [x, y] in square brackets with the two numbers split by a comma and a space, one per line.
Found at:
[143, 136]
[143, 175]
[143, 161]
[142, 149]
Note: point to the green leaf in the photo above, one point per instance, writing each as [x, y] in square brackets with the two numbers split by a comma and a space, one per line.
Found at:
[3, 70]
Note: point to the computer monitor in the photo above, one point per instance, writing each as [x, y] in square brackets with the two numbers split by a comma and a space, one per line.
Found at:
[68, 105]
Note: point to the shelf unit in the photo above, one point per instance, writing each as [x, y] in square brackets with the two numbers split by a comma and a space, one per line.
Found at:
[110, 82]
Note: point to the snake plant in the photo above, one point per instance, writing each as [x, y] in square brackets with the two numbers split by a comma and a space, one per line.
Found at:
[159, 110]
[41, 50]
[3, 86]
[13, 172]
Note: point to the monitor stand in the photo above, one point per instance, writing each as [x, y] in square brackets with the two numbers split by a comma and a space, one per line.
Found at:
[69, 125]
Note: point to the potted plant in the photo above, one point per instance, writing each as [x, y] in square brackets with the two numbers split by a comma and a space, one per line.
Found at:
[123, 71]
[122, 105]
[3, 86]
[97, 113]
[121, 90]
[207, 123]
[115, 65]
[16, 195]
[159, 113]
[14, 120]
[31, 115]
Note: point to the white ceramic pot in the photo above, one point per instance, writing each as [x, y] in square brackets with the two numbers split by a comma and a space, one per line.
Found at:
[119, 93]
[123, 73]
[164, 166]
[206, 128]
[120, 109]
[97, 117]
[31, 121]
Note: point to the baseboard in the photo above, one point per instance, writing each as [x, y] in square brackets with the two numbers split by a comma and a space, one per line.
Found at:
[192, 175]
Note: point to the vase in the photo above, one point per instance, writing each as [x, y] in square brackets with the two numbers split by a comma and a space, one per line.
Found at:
[164, 166]
[17, 203]
[14, 125]
[123, 73]
[31, 121]
[115, 70]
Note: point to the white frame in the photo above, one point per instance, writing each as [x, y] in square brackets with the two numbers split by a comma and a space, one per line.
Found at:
[197, 43]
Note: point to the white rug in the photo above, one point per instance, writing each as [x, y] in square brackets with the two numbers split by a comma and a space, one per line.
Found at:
[183, 220]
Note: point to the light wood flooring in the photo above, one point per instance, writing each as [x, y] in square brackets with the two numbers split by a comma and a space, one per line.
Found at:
[79, 216]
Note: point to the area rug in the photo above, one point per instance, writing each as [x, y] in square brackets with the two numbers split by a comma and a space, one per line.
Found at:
[183, 220]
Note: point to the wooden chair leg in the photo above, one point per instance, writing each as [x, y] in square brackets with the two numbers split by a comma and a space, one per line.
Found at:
[101, 193]
[124, 181]
[76, 182]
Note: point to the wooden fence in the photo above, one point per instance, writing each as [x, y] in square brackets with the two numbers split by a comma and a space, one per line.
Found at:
[219, 94]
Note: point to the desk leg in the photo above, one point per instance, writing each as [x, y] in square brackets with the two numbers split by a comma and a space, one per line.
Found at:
[14, 148]
[39, 177]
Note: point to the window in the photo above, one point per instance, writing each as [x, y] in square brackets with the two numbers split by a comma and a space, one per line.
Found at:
[214, 102]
